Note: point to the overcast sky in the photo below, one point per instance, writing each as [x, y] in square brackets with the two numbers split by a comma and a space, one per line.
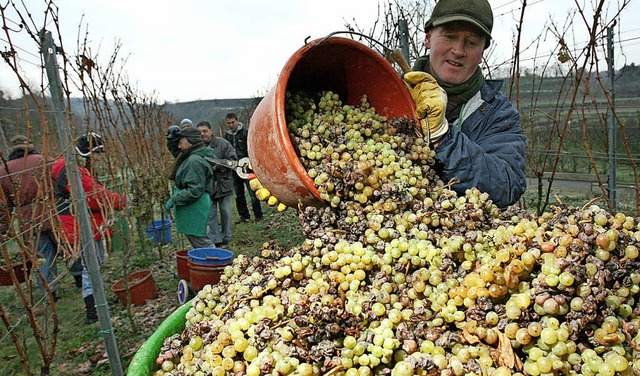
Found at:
[214, 49]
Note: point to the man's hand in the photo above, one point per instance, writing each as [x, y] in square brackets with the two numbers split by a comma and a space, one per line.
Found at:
[431, 104]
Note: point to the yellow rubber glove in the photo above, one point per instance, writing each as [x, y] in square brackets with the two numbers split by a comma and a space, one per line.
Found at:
[431, 104]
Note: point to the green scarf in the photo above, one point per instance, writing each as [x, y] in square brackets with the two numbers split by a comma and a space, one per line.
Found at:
[182, 157]
[457, 94]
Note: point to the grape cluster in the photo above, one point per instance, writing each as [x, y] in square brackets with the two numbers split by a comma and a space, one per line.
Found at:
[400, 276]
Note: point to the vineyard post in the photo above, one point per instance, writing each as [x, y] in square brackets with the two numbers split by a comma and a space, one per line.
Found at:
[404, 39]
[49, 56]
[3, 138]
[612, 123]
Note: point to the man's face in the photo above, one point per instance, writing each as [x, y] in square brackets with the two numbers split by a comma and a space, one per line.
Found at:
[99, 163]
[455, 51]
[206, 133]
[184, 144]
[232, 123]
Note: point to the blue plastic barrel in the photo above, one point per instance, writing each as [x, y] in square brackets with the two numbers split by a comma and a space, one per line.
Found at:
[160, 231]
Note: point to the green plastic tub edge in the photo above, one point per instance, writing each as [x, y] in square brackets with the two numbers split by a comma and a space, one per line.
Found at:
[143, 362]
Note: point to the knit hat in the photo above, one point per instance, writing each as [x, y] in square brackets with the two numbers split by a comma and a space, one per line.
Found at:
[186, 123]
[20, 142]
[192, 135]
[475, 12]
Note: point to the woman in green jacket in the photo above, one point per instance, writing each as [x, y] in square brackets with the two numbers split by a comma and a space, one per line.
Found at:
[193, 176]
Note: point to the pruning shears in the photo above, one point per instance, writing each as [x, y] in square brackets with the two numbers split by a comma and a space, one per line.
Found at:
[242, 167]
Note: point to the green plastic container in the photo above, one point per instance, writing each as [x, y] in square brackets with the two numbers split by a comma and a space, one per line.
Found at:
[144, 361]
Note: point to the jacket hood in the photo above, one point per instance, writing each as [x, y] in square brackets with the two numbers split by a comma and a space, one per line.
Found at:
[240, 126]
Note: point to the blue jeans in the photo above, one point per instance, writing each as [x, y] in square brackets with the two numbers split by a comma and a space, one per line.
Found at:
[87, 288]
[223, 204]
[47, 249]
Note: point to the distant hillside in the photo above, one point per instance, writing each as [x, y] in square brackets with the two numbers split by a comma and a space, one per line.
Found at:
[546, 91]
[213, 110]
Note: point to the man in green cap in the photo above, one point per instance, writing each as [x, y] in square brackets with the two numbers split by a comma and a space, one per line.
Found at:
[473, 128]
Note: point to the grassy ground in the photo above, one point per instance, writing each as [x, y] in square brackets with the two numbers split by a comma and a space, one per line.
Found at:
[80, 348]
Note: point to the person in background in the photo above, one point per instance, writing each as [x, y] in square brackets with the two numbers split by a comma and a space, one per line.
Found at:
[192, 175]
[236, 134]
[25, 182]
[474, 129]
[221, 191]
[100, 202]
[186, 123]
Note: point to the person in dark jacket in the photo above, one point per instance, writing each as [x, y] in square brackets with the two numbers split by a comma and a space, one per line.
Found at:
[100, 202]
[222, 188]
[25, 181]
[192, 175]
[474, 128]
[236, 134]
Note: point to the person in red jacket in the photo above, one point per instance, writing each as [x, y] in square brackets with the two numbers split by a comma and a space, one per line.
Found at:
[26, 186]
[100, 201]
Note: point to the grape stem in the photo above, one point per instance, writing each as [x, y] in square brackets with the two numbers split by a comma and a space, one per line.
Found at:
[282, 323]
[335, 369]
[297, 342]
[452, 182]
[233, 300]
[590, 202]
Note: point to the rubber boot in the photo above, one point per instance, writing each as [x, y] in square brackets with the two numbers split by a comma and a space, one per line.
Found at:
[92, 314]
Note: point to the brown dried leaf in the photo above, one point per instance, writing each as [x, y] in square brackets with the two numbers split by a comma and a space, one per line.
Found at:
[103, 360]
[507, 358]
[84, 368]
[495, 354]
[83, 348]
[470, 338]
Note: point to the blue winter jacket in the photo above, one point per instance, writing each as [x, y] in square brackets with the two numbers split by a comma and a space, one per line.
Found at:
[488, 150]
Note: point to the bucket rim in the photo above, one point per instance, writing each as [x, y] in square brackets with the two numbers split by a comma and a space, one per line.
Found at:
[148, 273]
[198, 255]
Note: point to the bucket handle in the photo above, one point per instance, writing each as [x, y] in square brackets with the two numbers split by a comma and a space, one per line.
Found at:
[395, 54]
[306, 40]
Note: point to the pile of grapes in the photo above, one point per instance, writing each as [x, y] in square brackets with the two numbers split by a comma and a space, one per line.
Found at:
[400, 276]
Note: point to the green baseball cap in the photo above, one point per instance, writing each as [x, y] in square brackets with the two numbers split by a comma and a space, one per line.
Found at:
[475, 12]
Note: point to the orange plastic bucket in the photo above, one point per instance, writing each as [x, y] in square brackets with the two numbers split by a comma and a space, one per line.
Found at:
[142, 287]
[182, 257]
[201, 275]
[342, 65]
